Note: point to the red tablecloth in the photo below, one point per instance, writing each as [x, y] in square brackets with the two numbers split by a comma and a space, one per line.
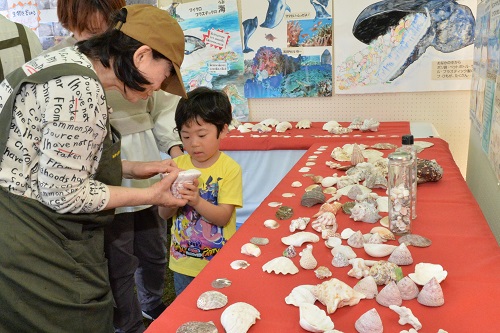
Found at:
[302, 139]
[447, 214]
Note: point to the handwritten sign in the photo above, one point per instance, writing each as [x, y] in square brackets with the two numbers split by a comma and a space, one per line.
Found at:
[26, 13]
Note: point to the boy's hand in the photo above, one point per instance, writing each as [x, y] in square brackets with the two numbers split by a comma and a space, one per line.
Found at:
[191, 193]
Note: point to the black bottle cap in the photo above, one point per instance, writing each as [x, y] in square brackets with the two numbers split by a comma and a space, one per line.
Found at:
[407, 139]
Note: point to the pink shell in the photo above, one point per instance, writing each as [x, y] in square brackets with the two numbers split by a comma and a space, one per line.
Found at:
[431, 294]
[401, 256]
[369, 322]
[389, 295]
[407, 288]
[367, 286]
[356, 240]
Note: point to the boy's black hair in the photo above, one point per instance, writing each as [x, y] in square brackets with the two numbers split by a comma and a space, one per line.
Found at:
[212, 106]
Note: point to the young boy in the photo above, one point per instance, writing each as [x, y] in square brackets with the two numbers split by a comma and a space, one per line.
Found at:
[204, 225]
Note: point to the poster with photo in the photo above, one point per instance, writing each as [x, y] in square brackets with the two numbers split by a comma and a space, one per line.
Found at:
[287, 48]
[403, 46]
[213, 53]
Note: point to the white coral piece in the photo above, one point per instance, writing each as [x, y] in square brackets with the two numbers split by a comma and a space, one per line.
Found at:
[406, 316]
[307, 260]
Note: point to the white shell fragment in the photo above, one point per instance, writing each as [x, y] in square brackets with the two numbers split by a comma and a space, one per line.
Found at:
[250, 249]
[424, 272]
[259, 240]
[211, 299]
[280, 265]
[296, 184]
[221, 283]
[239, 317]
[271, 224]
[300, 295]
[237, 264]
[299, 238]
[406, 316]
[313, 319]
[274, 204]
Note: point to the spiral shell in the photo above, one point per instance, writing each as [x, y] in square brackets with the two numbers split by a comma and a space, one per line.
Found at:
[384, 272]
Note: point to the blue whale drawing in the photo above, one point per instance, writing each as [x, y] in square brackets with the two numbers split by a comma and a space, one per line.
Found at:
[249, 27]
[320, 10]
[275, 13]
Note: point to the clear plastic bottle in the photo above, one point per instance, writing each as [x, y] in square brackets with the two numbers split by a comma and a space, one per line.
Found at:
[399, 189]
[408, 146]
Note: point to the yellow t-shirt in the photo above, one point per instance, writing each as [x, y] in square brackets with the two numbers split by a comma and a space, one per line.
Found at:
[194, 240]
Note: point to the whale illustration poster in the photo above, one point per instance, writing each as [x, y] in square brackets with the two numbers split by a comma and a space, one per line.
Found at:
[213, 52]
[403, 46]
[287, 46]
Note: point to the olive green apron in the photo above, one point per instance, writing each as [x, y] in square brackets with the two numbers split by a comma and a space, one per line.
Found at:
[53, 273]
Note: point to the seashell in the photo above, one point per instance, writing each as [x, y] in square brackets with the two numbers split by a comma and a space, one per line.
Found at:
[347, 206]
[356, 240]
[313, 197]
[313, 319]
[261, 128]
[280, 265]
[284, 213]
[370, 125]
[384, 146]
[346, 250]
[345, 189]
[300, 295]
[329, 181]
[375, 180]
[299, 238]
[259, 240]
[401, 256]
[366, 212]
[340, 130]
[356, 123]
[428, 171]
[340, 260]
[288, 195]
[331, 242]
[312, 187]
[340, 155]
[326, 220]
[389, 295]
[283, 126]
[385, 233]
[384, 272]
[372, 155]
[357, 155]
[221, 283]
[431, 294]
[375, 239]
[307, 260]
[335, 294]
[369, 322]
[330, 125]
[333, 208]
[184, 177]
[274, 204]
[211, 299]
[322, 272]
[421, 145]
[304, 123]
[367, 286]
[270, 122]
[345, 181]
[299, 224]
[239, 264]
[379, 250]
[415, 240]
[310, 163]
[424, 272]
[289, 252]
[271, 224]
[354, 191]
[250, 249]
[384, 221]
[317, 179]
[305, 169]
[244, 129]
[407, 288]
[197, 327]
[359, 268]
[406, 316]
[327, 233]
[346, 233]
[296, 184]
[239, 317]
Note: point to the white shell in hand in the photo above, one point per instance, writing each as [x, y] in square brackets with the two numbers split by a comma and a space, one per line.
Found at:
[184, 177]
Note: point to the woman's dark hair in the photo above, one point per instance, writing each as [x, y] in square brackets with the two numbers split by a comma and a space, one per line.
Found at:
[115, 45]
[212, 106]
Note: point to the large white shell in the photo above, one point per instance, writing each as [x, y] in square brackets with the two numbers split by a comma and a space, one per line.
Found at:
[344, 249]
[271, 224]
[280, 265]
[211, 299]
[335, 294]
[250, 250]
[300, 295]
[304, 123]
[299, 238]
[270, 122]
[184, 177]
[239, 317]
[330, 125]
[239, 264]
[283, 126]
[313, 319]
[424, 272]
[379, 250]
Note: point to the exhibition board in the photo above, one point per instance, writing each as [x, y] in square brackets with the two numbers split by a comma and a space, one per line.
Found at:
[447, 214]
